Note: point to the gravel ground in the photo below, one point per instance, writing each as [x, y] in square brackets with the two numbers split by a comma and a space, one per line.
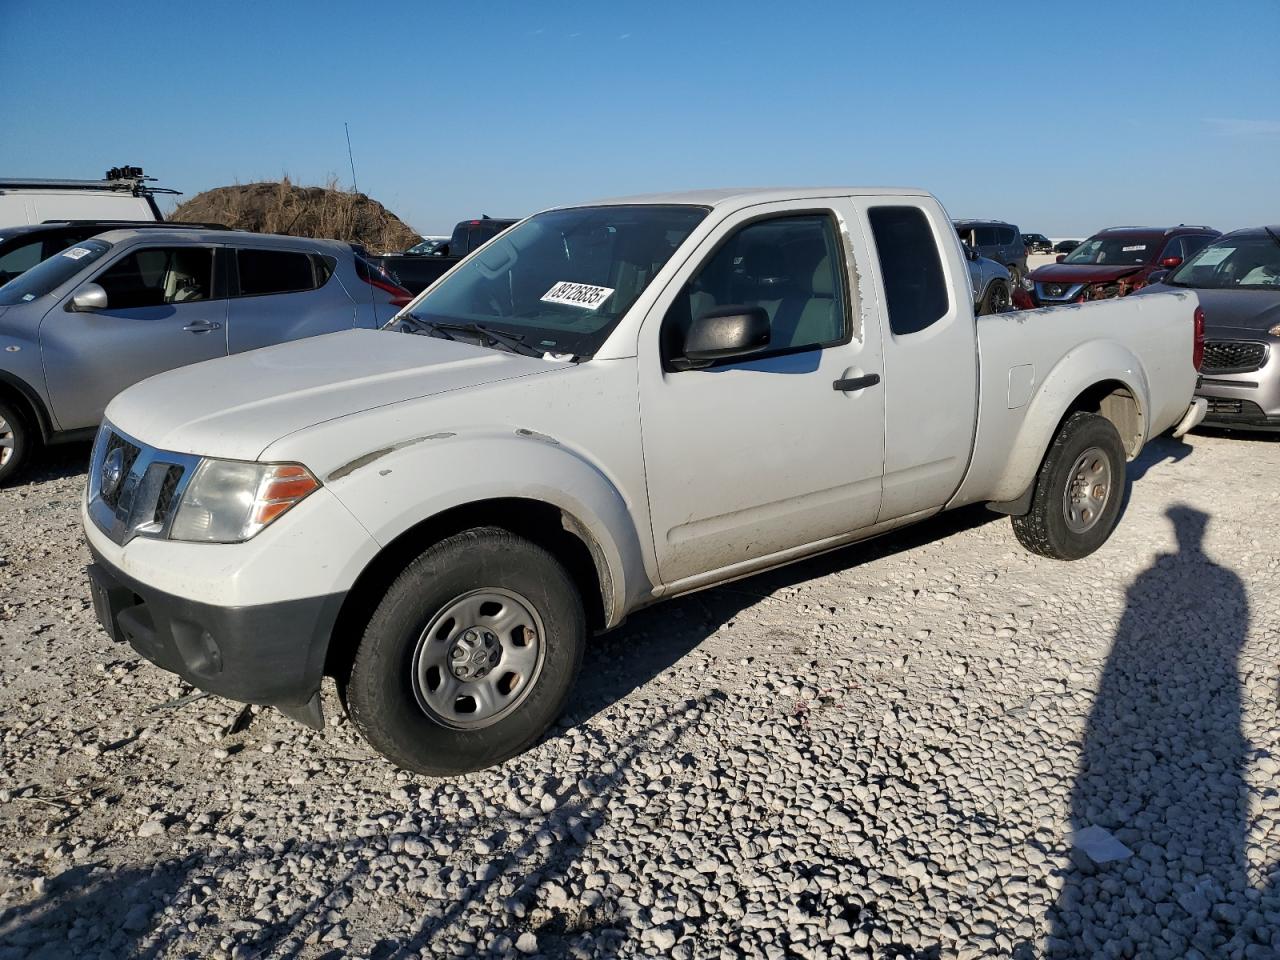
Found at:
[886, 752]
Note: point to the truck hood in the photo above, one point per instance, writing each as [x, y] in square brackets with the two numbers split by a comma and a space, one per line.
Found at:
[237, 406]
[1083, 272]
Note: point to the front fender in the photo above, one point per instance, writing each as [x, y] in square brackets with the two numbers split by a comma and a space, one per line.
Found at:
[389, 491]
[1092, 363]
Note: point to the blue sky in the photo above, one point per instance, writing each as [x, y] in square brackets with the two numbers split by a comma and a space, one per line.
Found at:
[1062, 117]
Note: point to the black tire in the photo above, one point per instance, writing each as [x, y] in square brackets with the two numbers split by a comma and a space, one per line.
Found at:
[382, 694]
[1046, 528]
[18, 439]
[998, 298]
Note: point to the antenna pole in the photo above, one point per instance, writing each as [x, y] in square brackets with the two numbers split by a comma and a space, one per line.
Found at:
[354, 186]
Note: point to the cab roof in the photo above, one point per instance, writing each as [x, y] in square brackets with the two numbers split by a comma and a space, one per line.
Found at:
[747, 196]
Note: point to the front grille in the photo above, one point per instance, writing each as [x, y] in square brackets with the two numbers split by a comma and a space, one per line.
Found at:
[130, 453]
[134, 489]
[1221, 406]
[1233, 356]
[168, 493]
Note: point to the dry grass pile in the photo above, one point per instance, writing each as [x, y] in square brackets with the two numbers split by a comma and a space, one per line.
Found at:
[284, 207]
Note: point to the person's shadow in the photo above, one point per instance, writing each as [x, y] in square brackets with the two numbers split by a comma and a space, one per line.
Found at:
[1163, 770]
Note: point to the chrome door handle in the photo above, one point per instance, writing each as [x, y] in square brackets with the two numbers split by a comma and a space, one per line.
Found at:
[202, 326]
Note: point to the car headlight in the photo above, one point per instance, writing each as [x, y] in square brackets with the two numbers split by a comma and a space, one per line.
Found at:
[228, 501]
[1027, 283]
[1275, 331]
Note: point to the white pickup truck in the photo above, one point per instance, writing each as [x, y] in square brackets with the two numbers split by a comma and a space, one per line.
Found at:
[606, 405]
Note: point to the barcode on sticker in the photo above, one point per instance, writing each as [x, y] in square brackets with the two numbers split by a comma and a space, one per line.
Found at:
[75, 253]
[577, 294]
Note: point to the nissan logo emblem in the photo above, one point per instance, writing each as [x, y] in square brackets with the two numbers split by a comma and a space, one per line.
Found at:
[112, 471]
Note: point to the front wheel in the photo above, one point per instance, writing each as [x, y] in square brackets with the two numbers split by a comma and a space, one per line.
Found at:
[16, 442]
[997, 299]
[470, 655]
[1078, 491]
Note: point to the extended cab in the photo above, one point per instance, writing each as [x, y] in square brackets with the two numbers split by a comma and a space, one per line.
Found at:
[607, 405]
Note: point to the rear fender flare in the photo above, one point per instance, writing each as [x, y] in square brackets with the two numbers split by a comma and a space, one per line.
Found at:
[1092, 363]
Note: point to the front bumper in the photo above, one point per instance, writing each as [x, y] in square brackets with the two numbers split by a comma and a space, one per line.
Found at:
[270, 653]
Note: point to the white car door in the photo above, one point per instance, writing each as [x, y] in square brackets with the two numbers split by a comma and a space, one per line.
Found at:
[930, 351]
[753, 456]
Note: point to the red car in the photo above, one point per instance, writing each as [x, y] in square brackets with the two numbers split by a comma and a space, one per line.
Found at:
[1115, 262]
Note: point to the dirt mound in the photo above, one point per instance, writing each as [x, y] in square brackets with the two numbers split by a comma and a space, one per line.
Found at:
[285, 207]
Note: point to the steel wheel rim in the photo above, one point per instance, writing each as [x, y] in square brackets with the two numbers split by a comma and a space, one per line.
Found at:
[1088, 490]
[478, 658]
[7, 442]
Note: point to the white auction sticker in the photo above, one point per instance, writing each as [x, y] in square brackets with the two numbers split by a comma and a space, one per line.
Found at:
[75, 253]
[577, 294]
[1136, 247]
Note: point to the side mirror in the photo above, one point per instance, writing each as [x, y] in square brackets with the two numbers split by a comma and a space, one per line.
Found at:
[1170, 262]
[88, 298]
[729, 331]
[1157, 276]
[1059, 258]
[969, 253]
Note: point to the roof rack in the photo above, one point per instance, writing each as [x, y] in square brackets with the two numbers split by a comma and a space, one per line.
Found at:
[122, 179]
[129, 224]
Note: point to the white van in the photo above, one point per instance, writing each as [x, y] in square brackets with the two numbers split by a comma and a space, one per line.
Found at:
[122, 194]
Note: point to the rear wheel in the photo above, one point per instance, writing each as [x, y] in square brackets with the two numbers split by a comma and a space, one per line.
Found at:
[469, 656]
[1078, 491]
[16, 441]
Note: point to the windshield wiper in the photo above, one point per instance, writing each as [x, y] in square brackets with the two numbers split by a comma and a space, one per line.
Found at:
[1271, 233]
[492, 338]
[435, 329]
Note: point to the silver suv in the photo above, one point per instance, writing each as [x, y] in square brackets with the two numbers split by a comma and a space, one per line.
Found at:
[1000, 241]
[79, 327]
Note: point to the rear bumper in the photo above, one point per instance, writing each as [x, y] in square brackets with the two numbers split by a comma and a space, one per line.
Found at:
[269, 653]
[1192, 418]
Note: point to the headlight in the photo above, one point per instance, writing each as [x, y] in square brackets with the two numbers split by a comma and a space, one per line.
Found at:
[1275, 331]
[228, 501]
[1027, 282]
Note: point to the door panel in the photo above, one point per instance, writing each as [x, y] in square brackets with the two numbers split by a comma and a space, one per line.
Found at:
[160, 315]
[930, 352]
[749, 458]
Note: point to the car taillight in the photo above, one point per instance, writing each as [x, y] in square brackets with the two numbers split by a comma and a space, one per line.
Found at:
[376, 277]
[1197, 342]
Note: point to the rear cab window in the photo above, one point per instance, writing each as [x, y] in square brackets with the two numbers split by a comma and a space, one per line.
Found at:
[915, 287]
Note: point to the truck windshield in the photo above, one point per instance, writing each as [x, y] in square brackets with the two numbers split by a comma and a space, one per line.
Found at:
[1116, 252]
[560, 281]
[52, 273]
[1247, 262]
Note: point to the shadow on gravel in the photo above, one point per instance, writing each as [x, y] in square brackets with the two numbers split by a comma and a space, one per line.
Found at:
[1162, 768]
[57, 462]
[95, 912]
[1159, 451]
[657, 638]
